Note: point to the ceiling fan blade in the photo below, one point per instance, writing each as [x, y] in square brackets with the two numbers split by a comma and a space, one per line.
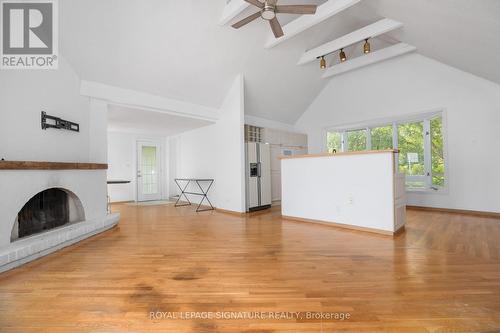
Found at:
[276, 27]
[296, 9]
[256, 3]
[246, 20]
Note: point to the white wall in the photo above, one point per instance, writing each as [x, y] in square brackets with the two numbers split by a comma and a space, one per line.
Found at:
[412, 84]
[23, 95]
[122, 165]
[98, 126]
[217, 151]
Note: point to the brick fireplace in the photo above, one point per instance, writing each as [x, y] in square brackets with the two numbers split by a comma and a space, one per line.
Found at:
[47, 206]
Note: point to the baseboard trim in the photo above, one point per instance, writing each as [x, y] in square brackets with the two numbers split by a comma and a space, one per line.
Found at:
[399, 231]
[218, 210]
[344, 226]
[455, 211]
[229, 212]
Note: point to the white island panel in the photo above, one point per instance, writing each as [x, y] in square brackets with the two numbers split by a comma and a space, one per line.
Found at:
[355, 190]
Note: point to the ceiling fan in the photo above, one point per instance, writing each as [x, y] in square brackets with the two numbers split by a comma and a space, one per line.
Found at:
[268, 11]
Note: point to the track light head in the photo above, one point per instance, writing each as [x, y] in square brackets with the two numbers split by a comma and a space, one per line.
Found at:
[322, 63]
[342, 55]
[367, 47]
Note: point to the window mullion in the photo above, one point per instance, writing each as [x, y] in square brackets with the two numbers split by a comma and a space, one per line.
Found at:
[395, 144]
[427, 152]
[368, 139]
[344, 141]
[395, 135]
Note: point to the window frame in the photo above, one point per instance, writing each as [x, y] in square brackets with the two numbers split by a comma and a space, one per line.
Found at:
[424, 117]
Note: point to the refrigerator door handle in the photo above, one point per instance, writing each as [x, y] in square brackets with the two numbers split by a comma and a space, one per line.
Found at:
[259, 173]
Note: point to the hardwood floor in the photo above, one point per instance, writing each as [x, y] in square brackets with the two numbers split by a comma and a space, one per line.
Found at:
[441, 275]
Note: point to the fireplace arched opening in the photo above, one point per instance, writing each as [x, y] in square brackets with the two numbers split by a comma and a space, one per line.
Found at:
[47, 210]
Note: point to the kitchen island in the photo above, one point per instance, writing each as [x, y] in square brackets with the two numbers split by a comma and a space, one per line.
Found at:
[355, 190]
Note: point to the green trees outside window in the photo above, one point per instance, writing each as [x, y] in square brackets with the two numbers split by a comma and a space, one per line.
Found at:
[382, 138]
[437, 151]
[411, 148]
[411, 153]
[356, 140]
[334, 142]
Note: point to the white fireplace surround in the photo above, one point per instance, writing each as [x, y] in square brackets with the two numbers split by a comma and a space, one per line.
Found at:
[19, 186]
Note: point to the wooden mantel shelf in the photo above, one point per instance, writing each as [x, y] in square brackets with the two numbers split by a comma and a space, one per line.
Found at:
[28, 165]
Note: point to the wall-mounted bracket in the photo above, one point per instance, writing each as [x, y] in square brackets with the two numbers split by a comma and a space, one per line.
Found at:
[55, 122]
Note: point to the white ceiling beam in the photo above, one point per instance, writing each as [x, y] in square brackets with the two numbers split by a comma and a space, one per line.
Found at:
[373, 30]
[141, 100]
[233, 9]
[304, 22]
[368, 59]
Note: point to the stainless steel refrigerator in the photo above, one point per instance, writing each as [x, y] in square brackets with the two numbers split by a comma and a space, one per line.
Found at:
[258, 174]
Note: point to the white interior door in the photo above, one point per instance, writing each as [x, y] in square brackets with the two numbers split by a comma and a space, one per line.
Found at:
[148, 171]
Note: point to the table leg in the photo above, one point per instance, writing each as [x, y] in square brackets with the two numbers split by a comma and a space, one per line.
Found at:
[182, 194]
[204, 197]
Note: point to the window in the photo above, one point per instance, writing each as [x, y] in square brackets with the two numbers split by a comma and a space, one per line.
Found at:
[149, 172]
[437, 151]
[411, 153]
[381, 138]
[356, 140]
[334, 142]
[419, 140]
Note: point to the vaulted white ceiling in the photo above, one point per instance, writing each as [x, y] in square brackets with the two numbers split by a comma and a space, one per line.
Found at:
[176, 49]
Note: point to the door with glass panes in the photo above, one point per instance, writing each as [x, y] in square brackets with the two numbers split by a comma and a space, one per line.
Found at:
[148, 171]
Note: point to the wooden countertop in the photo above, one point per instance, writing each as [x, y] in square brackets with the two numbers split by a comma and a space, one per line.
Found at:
[29, 165]
[365, 152]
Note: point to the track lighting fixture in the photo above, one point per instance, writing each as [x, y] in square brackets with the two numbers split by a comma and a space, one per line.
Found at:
[367, 47]
[322, 63]
[342, 55]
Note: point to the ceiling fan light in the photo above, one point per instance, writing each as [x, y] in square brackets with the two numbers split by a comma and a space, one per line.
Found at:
[268, 13]
[367, 47]
[342, 55]
[322, 63]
